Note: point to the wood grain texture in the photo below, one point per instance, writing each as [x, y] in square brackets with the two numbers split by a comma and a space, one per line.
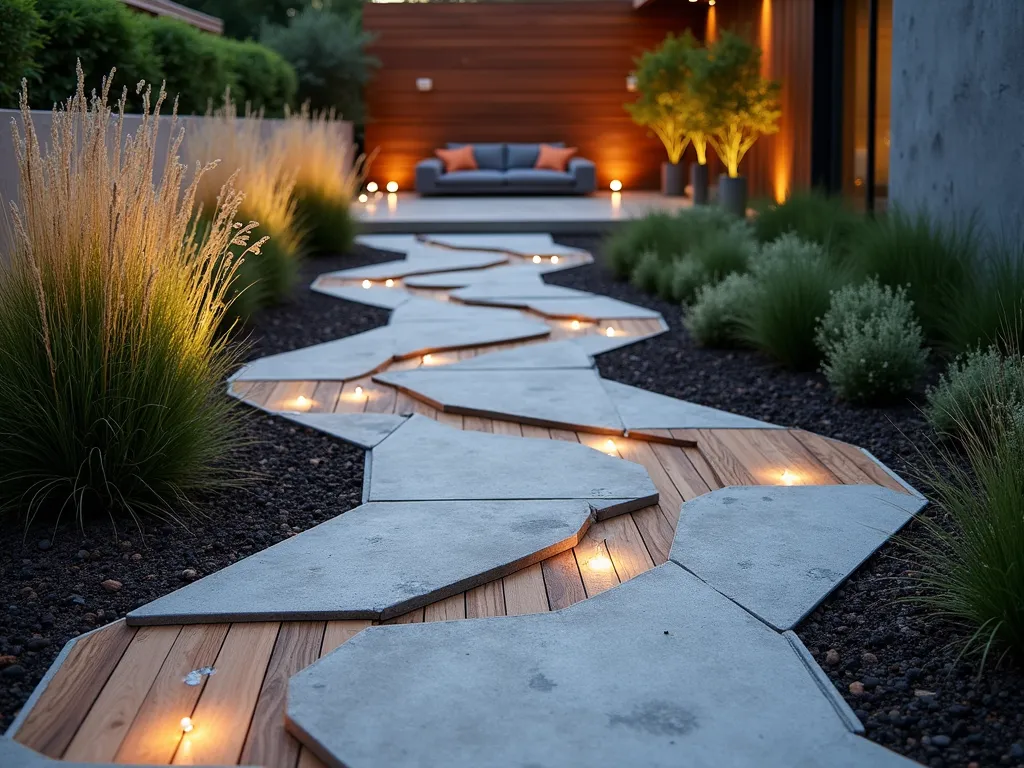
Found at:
[515, 72]
[53, 721]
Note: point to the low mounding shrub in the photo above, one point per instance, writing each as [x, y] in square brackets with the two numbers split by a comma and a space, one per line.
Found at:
[934, 260]
[794, 284]
[260, 170]
[21, 33]
[872, 344]
[656, 233]
[328, 175]
[103, 35]
[648, 272]
[981, 390]
[973, 560]
[195, 67]
[720, 253]
[327, 51]
[813, 217]
[715, 319]
[111, 369]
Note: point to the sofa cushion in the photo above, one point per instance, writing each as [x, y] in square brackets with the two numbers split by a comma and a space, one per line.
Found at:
[489, 157]
[460, 159]
[554, 158]
[535, 177]
[525, 155]
[480, 179]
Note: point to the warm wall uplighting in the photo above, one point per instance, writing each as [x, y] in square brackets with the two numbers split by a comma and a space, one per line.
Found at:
[392, 186]
[599, 563]
[371, 187]
[766, 37]
[711, 26]
[615, 186]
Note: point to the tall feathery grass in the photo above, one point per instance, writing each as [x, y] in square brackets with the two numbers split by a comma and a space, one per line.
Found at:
[241, 144]
[111, 366]
[328, 177]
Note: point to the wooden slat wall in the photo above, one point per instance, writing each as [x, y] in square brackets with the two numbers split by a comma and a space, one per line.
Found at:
[516, 72]
[785, 30]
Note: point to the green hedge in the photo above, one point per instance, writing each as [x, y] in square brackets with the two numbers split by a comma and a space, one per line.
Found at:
[21, 33]
[106, 34]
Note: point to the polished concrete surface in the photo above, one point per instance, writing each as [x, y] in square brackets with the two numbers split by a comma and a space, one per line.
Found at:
[600, 212]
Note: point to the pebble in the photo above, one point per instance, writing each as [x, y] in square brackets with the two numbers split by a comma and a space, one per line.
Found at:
[13, 672]
[941, 740]
[44, 544]
[189, 574]
[111, 585]
[857, 688]
[832, 657]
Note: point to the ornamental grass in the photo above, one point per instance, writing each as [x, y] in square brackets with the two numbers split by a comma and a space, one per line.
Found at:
[328, 177]
[111, 363]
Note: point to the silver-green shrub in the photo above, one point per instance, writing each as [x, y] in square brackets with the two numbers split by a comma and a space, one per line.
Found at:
[871, 342]
[715, 316]
[980, 390]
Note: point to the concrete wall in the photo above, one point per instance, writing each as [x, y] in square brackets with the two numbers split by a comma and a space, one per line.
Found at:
[958, 108]
[42, 120]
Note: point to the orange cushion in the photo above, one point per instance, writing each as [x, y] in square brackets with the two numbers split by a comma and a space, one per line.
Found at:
[460, 159]
[554, 158]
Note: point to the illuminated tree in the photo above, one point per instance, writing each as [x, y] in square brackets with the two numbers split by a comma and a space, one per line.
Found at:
[739, 105]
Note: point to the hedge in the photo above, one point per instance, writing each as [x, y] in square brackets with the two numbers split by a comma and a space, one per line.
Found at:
[21, 33]
[106, 34]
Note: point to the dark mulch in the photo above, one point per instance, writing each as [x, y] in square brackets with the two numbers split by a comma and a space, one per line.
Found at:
[897, 666]
[52, 580]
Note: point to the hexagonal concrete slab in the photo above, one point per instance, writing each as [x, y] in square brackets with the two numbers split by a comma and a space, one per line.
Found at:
[521, 244]
[374, 296]
[527, 275]
[589, 307]
[562, 398]
[363, 429]
[377, 561]
[422, 259]
[551, 355]
[363, 353]
[778, 551]
[427, 460]
[420, 310]
[660, 671]
[514, 293]
[641, 409]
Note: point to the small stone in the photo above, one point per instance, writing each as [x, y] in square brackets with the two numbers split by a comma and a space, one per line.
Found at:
[44, 544]
[78, 600]
[7, 660]
[137, 556]
[111, 585]
[38, 643]
[941, 740]
[869, 658]
[856, 688]
[1017, 750]
[82, 554]
[832, 657]
[13, 672]
[189, 574]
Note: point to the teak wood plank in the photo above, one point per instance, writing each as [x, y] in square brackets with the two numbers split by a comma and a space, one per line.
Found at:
[500, 427]
[727, 467]
[536, 432]
[110, 717]
[775, 457]
[486, 600]
[847, 462]
[655, 530]
[259, 392]
[286, 394]
[268, 743]
[222, 715]
[325, 396]
[55, 718]
[156, 731]
[380, 398]
[643, 453]
[477, 424]
[449, 419]
[339, 632]
[700, 463]
[412, 617]
[448, 609]
[626, 547]
[353, 396]
[562, 580]
[684, 476]
[525, 592]
[596, 568]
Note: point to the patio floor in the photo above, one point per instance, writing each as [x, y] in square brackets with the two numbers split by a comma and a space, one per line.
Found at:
[117, 694]
[600, 212]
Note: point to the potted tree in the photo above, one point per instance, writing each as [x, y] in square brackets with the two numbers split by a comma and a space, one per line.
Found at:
[665, 102]
[740, 107]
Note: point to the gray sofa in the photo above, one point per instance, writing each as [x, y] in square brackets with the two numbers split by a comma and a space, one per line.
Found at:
[505, 169]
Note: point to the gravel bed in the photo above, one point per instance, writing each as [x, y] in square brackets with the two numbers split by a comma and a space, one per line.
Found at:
[58, 583]
[897, 666]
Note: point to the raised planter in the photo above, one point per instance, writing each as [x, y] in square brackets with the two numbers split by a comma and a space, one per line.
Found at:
[732, 194]
[699, 183]
[673, 179]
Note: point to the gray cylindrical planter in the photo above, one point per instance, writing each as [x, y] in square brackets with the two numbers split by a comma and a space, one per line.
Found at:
[699, 183]
[673, 179]
[732, 194]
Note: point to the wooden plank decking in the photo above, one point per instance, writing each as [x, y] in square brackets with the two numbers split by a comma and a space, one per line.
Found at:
[120, 696]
